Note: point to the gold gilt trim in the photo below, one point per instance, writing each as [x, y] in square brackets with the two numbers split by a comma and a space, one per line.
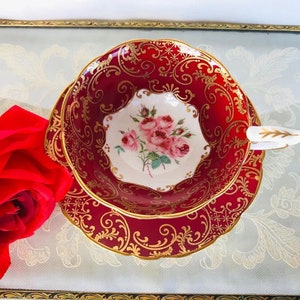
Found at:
[32, 294]
[276, 133]
[144, 24]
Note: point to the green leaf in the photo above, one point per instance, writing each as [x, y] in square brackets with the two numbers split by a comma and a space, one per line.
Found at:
[152, 155]
[165, 159]
[153, 111]
[180, 122]
[155, 163]
[119, 149]
[135, 119]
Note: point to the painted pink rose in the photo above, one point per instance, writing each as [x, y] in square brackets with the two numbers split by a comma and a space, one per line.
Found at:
[158, 141]
[147, 125]
[178, 147]
[129, 140]
[165, 123]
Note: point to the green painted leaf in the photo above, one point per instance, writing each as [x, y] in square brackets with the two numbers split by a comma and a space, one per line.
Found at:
[153, 111]
[155, 163]
[165, 159]
[119, 149]
[135, 119]
[152, 155]
[180, 122]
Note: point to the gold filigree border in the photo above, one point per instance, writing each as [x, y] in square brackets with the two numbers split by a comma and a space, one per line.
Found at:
[34, 294]
[144, 24]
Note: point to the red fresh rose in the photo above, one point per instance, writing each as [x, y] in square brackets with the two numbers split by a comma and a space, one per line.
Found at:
[31, 183]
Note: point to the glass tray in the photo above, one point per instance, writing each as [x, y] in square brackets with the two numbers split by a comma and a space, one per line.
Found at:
[260, 256]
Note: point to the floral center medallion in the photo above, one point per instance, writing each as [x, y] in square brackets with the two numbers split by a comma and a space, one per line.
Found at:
[155, 141]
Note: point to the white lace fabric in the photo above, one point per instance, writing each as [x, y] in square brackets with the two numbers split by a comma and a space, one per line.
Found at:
[261, 255]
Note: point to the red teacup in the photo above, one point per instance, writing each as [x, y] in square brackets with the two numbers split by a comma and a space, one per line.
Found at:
[155, 128]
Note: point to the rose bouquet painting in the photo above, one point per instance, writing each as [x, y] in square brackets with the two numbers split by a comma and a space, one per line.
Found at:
[159, 140]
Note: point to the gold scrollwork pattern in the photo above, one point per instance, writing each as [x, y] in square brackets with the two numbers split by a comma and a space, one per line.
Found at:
[160, 237]
[154, 238]
[109, 83]
[54, 132]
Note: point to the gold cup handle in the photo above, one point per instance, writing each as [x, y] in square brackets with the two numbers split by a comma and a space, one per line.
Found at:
[272, 137]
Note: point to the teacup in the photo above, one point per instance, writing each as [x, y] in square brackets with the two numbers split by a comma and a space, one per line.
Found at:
[156, 128]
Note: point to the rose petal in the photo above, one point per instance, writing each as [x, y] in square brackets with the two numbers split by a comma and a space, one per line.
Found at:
[44, 206]
[4, 258]
[15, 214]
[45, 201]
[7, 208]
[3, 160]
[22, 166]
[19, 129]
[17, 119]
[9, 222]
[26, 203]
[34, 211]
[9, 188]
[17, 231]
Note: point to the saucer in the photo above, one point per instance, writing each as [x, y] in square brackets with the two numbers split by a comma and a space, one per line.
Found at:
[155, 238]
